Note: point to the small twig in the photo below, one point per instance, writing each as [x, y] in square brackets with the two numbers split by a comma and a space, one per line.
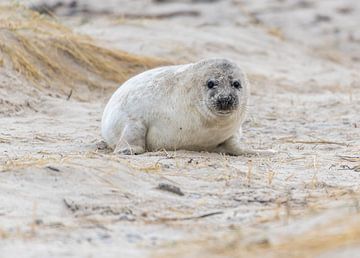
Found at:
[350, 158]
[317, 142]
[356, 168]
[71, 206]
[69, 95]
[344, 167]
[160, 15]
[194, 217]
[53, 168]
[347, 167]
[170, 188]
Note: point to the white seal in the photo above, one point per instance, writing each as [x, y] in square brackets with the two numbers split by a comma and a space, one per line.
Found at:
[199, 106]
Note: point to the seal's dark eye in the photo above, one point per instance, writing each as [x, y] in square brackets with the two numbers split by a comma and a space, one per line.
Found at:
[210, 84]
[237, 84]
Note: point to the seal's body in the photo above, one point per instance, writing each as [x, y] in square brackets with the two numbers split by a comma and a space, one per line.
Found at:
[198, 106]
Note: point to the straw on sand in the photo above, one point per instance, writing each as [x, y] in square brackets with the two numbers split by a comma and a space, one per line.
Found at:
[338, 233]
[49, 54]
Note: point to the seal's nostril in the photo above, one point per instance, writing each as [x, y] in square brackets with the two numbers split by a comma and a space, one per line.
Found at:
[229, 100]
[225, 103]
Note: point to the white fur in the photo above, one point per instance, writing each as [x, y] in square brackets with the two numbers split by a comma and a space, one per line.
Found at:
[164, 108]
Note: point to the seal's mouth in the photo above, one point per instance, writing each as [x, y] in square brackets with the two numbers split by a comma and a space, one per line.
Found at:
[223, 112]
[224, 109]
[223, 106]
[226, 103]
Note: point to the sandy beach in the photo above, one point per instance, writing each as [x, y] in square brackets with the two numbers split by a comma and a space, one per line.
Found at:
[63, 195]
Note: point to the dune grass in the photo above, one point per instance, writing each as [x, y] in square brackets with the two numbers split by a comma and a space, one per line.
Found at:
[49, 54]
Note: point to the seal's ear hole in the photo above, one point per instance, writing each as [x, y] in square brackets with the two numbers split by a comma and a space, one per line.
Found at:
[237, 84]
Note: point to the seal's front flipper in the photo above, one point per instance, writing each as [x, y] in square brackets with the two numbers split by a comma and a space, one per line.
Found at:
[232, 147]
[132, 139]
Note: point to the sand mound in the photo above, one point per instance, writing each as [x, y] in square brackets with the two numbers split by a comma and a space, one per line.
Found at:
[49, 55]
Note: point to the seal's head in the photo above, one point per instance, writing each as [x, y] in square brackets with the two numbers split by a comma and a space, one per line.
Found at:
[223, 86]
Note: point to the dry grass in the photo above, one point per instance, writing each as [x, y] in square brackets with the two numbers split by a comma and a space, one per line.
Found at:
[344, 232]
[29, 161]
[323, 239]
[49, 54]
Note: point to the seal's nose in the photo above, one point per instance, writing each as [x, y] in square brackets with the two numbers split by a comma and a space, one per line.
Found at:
[225, 102]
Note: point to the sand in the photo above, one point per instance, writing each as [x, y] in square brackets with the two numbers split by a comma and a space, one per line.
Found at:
[62, 195]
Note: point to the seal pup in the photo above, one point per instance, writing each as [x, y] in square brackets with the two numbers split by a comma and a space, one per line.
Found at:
[199, 106]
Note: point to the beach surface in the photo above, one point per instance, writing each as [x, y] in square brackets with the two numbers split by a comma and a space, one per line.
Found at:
[62, 194]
